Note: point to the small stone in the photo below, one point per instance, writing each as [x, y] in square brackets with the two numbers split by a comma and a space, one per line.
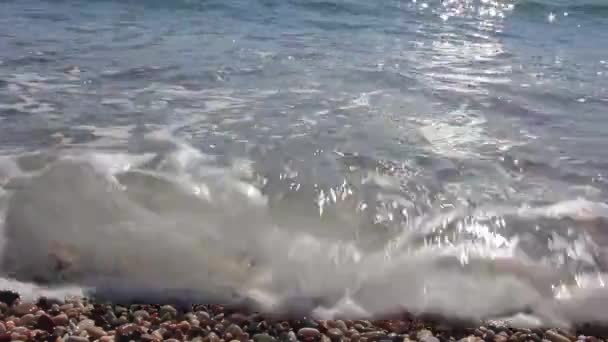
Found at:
[335, 334]
[106, 339]
[308, 334]
[61, 319]
[149, 338]
[119, 310]
[373, 336]
[423, 333]
[8, 297]
[76, 339]
[263, 338]
[127, 329]
[555, 337]
[234, 330]
[184, 326]
[26, 320]
[85, 323]
[143, 314]
[212, 337]
[172, 340]
[203, 316]
[2, 328]
[167, 309]
[95, 332]
[24, 309]
[45, 323]
[60, 331]
[500, 338]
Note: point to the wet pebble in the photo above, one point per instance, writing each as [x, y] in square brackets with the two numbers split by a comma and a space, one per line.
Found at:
[26, 320]
[76, 339]
[335, 334]
[263, 338]
[555, 337]
[308, 333]
[95, 332]
[24, 309]
[143, 314]
[61, 319]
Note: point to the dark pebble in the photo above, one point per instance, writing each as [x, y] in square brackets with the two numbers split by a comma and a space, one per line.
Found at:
[263, 338]
[143, 314]
[374, 336]
[8, 297]
[308, 334]
[24, 309]
[76, 339]
[335, 334]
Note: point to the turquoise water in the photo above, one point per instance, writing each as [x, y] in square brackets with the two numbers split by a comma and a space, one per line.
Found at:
[394, 133]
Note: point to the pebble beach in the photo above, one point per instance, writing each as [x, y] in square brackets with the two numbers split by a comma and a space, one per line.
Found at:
[81, 319]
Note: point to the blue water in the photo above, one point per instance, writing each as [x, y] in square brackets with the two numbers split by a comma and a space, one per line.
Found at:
[357, 121]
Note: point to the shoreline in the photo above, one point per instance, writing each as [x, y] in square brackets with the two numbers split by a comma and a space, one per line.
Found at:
[81, 319]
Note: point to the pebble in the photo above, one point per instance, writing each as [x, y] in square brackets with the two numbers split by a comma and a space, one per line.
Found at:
[2, 328]
[26, 320]
[335, 334]
[76, 339]
[234, 330]
[373, 336]
[167, 309]
[8, 297]
[24, 309]
[127, 329]
[61, 319]
[308, 333]
[263, 338]
[95, 332]
[555, 337]
[143, 314]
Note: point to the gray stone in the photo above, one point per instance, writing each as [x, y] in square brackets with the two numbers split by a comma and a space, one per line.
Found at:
[167, 309]
[555, 337]
[143, 314]
[308, 333]
[76, 339]
[263, 338]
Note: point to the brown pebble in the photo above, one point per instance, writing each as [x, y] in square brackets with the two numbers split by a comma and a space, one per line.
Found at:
[2, 328]
[45, 323]
[95, 332]
[149, 338]
[335, 334]
[26, 320]
[24, 309]
[234, 330]
[308, 333]
[76, 339]
[555, 337]
[126, 329]
[61, 319]
[106, 339]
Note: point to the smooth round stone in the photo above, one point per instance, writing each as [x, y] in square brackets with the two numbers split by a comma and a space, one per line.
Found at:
[143, 314]
[24, 309]
[2, 328]
[374, 336]
[234, 330]
[61, 319]
[76, 339]
[26, 320]
[263, 338]
[555, 337]
[167, 309]
[308, 333]
[95, 332]
[202, 316]
[184, 326]
[335, 334]
[127, 329]
[85, 323]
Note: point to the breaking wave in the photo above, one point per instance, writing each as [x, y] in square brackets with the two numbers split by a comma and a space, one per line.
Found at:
[166, 222]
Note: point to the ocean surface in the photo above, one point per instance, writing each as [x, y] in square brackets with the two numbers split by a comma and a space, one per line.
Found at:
[339, 158]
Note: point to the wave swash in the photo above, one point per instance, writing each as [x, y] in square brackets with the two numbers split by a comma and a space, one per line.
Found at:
[166, 222]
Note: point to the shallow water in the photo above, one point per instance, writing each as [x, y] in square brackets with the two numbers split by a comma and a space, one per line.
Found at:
[337, 157]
